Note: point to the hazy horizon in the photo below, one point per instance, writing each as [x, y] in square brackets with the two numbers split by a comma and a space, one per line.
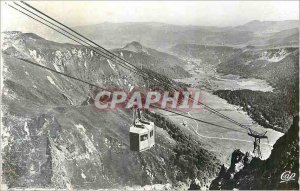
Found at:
[157, 22]
[186, 24]
[194, 13]
[190, 13]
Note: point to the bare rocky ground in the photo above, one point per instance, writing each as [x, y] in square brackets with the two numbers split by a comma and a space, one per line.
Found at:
[54, 138]
[247, 172]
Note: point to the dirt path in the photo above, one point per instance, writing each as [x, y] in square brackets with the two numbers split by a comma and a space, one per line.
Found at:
[223, 141]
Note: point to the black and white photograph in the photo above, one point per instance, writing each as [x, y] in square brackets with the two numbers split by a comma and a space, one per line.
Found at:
[149, 95]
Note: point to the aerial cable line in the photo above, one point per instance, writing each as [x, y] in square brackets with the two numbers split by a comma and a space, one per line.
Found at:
[92, 48]
[63, 74]
[199, 120]
[102, 48]
[70, 37]
[207, 107]
[91, 84]
[74, 39]
[111, 54]
[111, 57]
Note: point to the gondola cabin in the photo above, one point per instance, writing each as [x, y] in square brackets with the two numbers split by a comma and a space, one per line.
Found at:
[141, 136]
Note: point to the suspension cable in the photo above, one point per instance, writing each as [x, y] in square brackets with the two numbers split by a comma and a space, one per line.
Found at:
[112, 55]
[94, 85]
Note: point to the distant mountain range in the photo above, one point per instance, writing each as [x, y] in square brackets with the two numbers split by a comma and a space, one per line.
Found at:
[268, 26]
[64, 143]
[52, 136]
[163, 36]
[152, 59]
[278, 66]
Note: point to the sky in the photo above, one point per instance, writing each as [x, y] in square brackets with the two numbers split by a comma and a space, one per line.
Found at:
[204, 13]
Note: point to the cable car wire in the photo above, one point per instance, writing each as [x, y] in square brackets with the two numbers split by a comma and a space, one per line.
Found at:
[113, 55]
[56, 29]
[207, 107]
[91, 84]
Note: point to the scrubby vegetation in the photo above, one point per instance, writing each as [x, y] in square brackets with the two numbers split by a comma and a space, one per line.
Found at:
[268, 109]
[208, 54]
[11, 171]
[249, 173]
[192, 160]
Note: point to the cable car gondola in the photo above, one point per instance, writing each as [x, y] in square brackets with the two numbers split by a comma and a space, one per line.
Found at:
[139, 127]
[141, 133]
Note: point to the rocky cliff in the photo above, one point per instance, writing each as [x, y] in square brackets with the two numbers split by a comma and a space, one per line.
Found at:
[53, 138]
[276, 172]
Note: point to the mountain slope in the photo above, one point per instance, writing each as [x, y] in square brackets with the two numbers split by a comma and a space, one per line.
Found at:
[207, 54]
[163, 36]
[160, 35]
[279, 67]
[258, 105]
[284, 38]
[250, 173]
[268, 26]
[148, 58]
[52, 137]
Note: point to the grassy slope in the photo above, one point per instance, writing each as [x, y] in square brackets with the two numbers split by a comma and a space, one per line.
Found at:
[268, 109]
[53, 141]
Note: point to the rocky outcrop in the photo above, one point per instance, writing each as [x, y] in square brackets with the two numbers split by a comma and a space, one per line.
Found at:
[52, 136]
[257, 104]
[147, 58]
[135, 47]
[247, 172]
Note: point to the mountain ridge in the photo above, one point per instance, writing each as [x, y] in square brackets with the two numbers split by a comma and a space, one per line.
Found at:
[64, 143]
[161, 35]
[190, 25]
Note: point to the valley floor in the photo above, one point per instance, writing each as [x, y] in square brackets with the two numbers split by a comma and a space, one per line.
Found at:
[220, 140]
